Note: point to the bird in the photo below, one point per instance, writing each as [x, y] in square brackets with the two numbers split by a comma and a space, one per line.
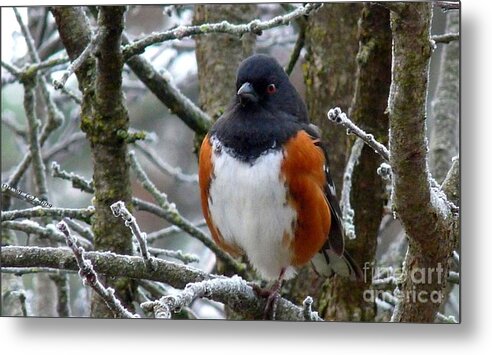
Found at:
[265, 184]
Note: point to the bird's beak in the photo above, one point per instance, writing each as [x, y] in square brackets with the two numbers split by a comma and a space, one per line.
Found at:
[247, 93]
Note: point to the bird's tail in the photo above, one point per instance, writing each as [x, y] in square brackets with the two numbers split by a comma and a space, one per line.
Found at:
[327, 262]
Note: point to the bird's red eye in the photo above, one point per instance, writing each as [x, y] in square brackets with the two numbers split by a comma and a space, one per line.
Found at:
[271, 89]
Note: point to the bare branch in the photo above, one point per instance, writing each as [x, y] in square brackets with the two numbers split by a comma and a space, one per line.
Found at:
[165, 232]
[176, 254]
[163, 88]
[32, 227]
[296, 51]
[119, 210]
[165, 168]
[78, 181]
[34, 144]
[255, 26]
[448, 5]
[336, 115]
[77, 63]
[234, 292]
[90, 277]
[83, 214]
[105, 263]
[347, 211]
[446, 38]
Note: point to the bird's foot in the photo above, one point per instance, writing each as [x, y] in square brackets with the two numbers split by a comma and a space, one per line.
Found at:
[272, 296]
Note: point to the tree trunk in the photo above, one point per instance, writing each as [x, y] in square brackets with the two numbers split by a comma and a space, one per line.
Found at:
[428, 220]
[105, 121]
[329, 74]
[345, 299]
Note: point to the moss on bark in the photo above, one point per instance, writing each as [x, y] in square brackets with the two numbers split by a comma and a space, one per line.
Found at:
[344, 299]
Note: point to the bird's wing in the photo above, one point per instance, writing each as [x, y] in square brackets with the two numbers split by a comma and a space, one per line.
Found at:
[332, 257]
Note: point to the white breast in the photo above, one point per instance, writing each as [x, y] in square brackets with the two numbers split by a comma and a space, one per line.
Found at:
[248, 204]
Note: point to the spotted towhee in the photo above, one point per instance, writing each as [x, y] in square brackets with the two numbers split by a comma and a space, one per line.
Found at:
[266, 189]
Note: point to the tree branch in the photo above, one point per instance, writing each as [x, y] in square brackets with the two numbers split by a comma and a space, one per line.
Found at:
[347, 211]
[165, 168]
[90, 278]
[337, 116]
[422, 208]
[446, 38]
[83, 214]
[119, 210]
[236, 293]
[255, 26]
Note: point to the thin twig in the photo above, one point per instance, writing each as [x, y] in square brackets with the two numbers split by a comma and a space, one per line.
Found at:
[176, 254]
[307, 307]
[32, 227]
[167, 169]
[454, 277]
[255, 26]
[336, 115]
[294, 56]
[11, 69]
[169, 231]
[119, 210]
[19, 271]
[81, 230]
[55, 118]
[448, 5]
[347, 210]
[78, 181]
[446, 38]
[83, 214]
[90, 277]
[34, 145]
[77, 63]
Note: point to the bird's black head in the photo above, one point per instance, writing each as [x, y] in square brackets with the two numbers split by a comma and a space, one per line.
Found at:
[265, 113]
[261, 83]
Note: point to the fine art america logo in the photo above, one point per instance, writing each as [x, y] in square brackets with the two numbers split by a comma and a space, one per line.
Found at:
[419, 277]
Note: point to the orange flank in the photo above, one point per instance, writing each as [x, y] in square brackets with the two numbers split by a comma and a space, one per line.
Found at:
[305, 178]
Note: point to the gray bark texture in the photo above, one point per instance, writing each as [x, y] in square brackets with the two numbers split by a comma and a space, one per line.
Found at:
[329, 74]
[345, 299]
[104, 120]
[422, 210]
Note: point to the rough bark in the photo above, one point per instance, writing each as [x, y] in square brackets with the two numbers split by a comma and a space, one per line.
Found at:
[445, 106]
[344, 298]
[105, 122]
[425, 216]
[329, 74]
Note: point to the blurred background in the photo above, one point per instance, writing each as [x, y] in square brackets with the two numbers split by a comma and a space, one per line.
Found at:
[170, 139]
